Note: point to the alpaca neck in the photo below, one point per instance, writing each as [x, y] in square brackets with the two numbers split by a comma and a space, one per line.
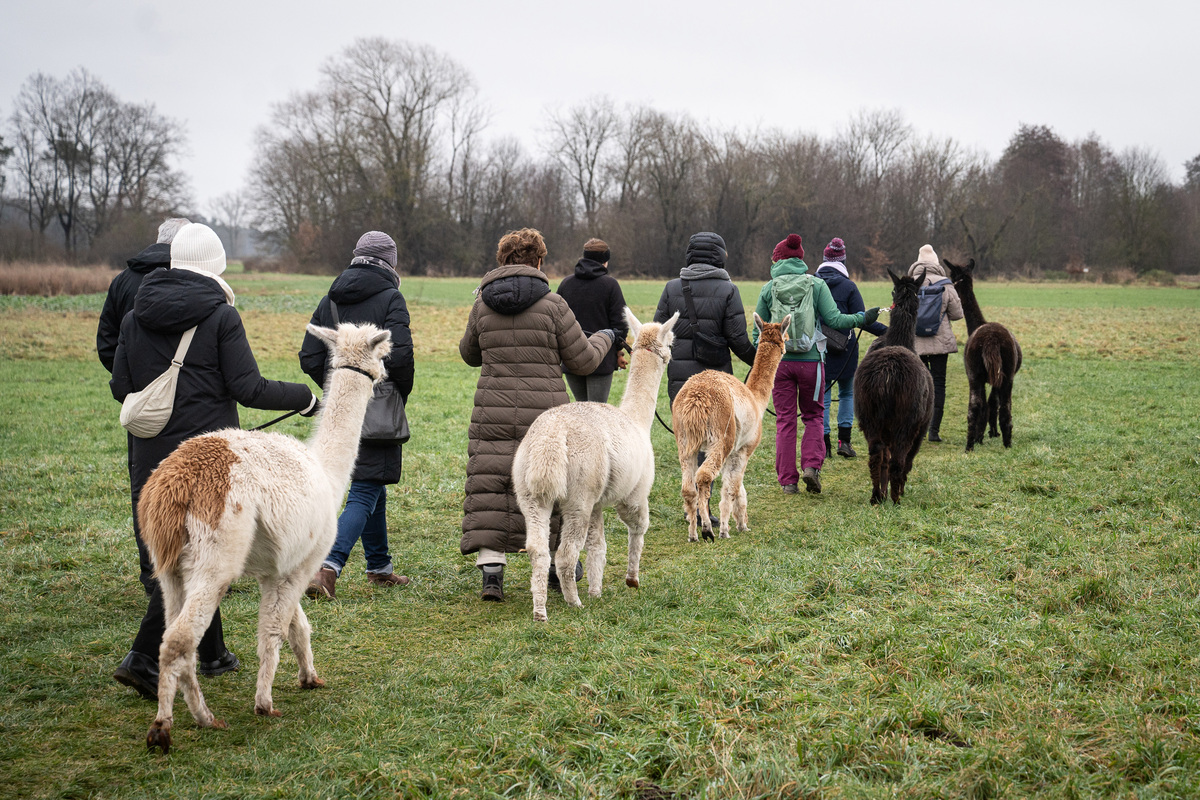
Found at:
[335, 443]
[970, 307]
[902, 328]
[641, 390]
[762, 375]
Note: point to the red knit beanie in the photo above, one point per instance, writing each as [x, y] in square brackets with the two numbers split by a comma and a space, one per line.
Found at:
[836, 251]
[788, 248]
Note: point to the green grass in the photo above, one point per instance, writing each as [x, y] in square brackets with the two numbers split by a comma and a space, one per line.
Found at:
[1026, 623]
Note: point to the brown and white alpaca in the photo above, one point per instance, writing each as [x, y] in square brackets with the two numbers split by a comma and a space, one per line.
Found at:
[236, 502]
[992, 355]
[585, 457]
[717, 413]
[893, 394]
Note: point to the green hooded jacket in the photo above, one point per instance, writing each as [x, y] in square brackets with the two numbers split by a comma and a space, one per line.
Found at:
[824, 307]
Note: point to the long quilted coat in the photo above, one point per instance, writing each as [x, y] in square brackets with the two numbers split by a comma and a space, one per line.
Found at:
[521, 334]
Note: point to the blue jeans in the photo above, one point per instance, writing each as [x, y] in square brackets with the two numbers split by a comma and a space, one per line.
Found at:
[845, 417]
[365, 517]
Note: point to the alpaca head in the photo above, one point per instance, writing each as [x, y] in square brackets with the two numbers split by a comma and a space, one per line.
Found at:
[359, 347]
[962, 277]
[904, 292]
[652, 336]
[772, 334]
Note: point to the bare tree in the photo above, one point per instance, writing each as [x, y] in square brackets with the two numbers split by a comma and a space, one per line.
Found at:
[1141, 191]
[230, 212]
[579, 139]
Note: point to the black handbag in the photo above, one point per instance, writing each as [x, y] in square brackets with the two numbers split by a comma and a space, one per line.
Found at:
[837, 341]
[712, 351]
[385, 421]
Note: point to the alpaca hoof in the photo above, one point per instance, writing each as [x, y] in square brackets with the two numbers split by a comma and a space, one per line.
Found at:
[159, 736]
[875, 500]
[219, 724]
[632, 583]
[724, 534]
[594, 593]
[708, 536]
[539, 616]
[313, 683]
[693, 538]
[576, 603]
[267, 712]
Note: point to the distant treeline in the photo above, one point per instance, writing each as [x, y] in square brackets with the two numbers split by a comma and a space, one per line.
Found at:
[393, 137]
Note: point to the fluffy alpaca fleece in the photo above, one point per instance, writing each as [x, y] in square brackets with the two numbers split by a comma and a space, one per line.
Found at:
[237, 502]
[893, 395]
[992, 355]
[717, 413]
[585, 457]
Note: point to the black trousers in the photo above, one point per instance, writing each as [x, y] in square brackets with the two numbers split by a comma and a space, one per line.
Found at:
[937, 367]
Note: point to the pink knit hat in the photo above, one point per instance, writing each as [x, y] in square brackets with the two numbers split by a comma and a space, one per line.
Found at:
[789, 248]
[836, 251]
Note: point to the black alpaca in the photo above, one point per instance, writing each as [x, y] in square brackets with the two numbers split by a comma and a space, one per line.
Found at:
[893, 395]
[992, 355]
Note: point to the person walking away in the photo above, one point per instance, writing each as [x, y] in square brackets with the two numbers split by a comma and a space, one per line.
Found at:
[710, 306]
[218, 373]
[521, 334]
[118, 303]
[935, 350]
[840, 367]
[800, 378]
[595, 298]
[367, 291]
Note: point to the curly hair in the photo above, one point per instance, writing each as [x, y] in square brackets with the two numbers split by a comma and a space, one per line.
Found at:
[525, 246]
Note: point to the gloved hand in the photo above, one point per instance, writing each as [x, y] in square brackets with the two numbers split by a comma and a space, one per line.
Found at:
[314, 406]
[869, 316]
[610, 333]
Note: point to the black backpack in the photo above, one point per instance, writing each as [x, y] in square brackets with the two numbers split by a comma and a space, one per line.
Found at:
[929, 311]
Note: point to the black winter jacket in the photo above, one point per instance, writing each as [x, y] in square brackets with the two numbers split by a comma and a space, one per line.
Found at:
[849, 301]
[719, 311]
[367, 293]
[219, 371]
[119, 301]
[596, 299]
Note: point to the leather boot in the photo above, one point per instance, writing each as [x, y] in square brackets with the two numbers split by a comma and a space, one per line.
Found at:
[936, 424]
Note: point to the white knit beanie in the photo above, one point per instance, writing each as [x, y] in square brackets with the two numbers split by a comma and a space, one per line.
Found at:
[924, 256]
[196, 247]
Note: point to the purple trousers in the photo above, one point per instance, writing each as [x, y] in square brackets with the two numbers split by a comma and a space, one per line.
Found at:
[798, 382]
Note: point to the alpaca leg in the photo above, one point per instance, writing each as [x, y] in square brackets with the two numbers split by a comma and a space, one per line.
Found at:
[975, 416]
[177, 660]
[731, 487]
[877, 463]
[687, 468]
[274, 614]
[597, 552]
[897, 474]
[537, 544]
[300, 638]
[1005, 411]
[574, 533]
[908, 462]
[714, 462]
[993, 413]
[740, 510]
[637, 519]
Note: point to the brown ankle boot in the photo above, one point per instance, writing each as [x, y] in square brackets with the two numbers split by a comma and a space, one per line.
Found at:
[321, 586]
[391, 579]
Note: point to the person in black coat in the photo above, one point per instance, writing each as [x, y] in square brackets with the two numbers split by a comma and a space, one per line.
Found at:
[719, 311]
[219, 371]
[366, 291]
[124, 288]
[596, 299]
[840, 368]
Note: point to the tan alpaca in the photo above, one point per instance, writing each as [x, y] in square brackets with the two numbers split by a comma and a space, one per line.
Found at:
[237, 502]
[584, 457]
[717, 413]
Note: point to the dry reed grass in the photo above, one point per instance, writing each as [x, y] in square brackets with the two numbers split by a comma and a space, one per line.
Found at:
[49, 280]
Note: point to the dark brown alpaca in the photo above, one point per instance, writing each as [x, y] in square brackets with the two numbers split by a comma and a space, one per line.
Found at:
[992, 355]
[893, 395]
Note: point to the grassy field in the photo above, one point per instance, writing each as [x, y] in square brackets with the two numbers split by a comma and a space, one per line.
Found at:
[1026, 623]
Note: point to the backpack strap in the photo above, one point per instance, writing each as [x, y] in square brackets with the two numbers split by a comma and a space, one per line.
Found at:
[185, 342]
[333, 311]
[691, 305]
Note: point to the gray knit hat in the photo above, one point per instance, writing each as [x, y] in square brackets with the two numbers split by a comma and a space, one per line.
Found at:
[377, 244]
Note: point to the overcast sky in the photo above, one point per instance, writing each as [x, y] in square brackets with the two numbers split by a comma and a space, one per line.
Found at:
[1130, 71]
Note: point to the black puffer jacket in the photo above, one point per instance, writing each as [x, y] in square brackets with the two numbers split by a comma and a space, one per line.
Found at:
[121, 292]
[849, 301]
[596, 299]
[719, 311]
[219, 371]
[367, 293]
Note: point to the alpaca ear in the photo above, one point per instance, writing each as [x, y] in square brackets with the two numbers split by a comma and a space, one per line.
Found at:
[632, 322]
[921, 278]
[326, 335]
[785, 324]
[970, 267]
[758, 322]
[895, 278]
[664, 333]
[381, 344]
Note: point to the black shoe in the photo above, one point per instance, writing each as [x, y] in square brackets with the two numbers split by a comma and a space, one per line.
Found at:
[493, 586]
[228, 662]
[845, 450]
[790, 488]
[555, 586]
[933, 436]
[140, 673]
[828, 447]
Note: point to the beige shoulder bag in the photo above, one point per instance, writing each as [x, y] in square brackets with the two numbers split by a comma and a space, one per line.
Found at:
[146, 413]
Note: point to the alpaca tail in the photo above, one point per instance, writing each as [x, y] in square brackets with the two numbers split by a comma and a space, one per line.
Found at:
[540, 466]
[994, 365]
[195, 479]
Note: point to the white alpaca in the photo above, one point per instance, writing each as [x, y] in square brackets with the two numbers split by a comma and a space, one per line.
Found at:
[719, 414]
[237, 502]
[586, 456]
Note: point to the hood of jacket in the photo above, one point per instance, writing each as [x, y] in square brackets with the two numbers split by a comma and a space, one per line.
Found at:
[699, 272]
[788, 266]
[173, 300]
[587, 269]
[513, 288]
[831, 275]
[153, 257]
[359, 282]
[933, 270]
